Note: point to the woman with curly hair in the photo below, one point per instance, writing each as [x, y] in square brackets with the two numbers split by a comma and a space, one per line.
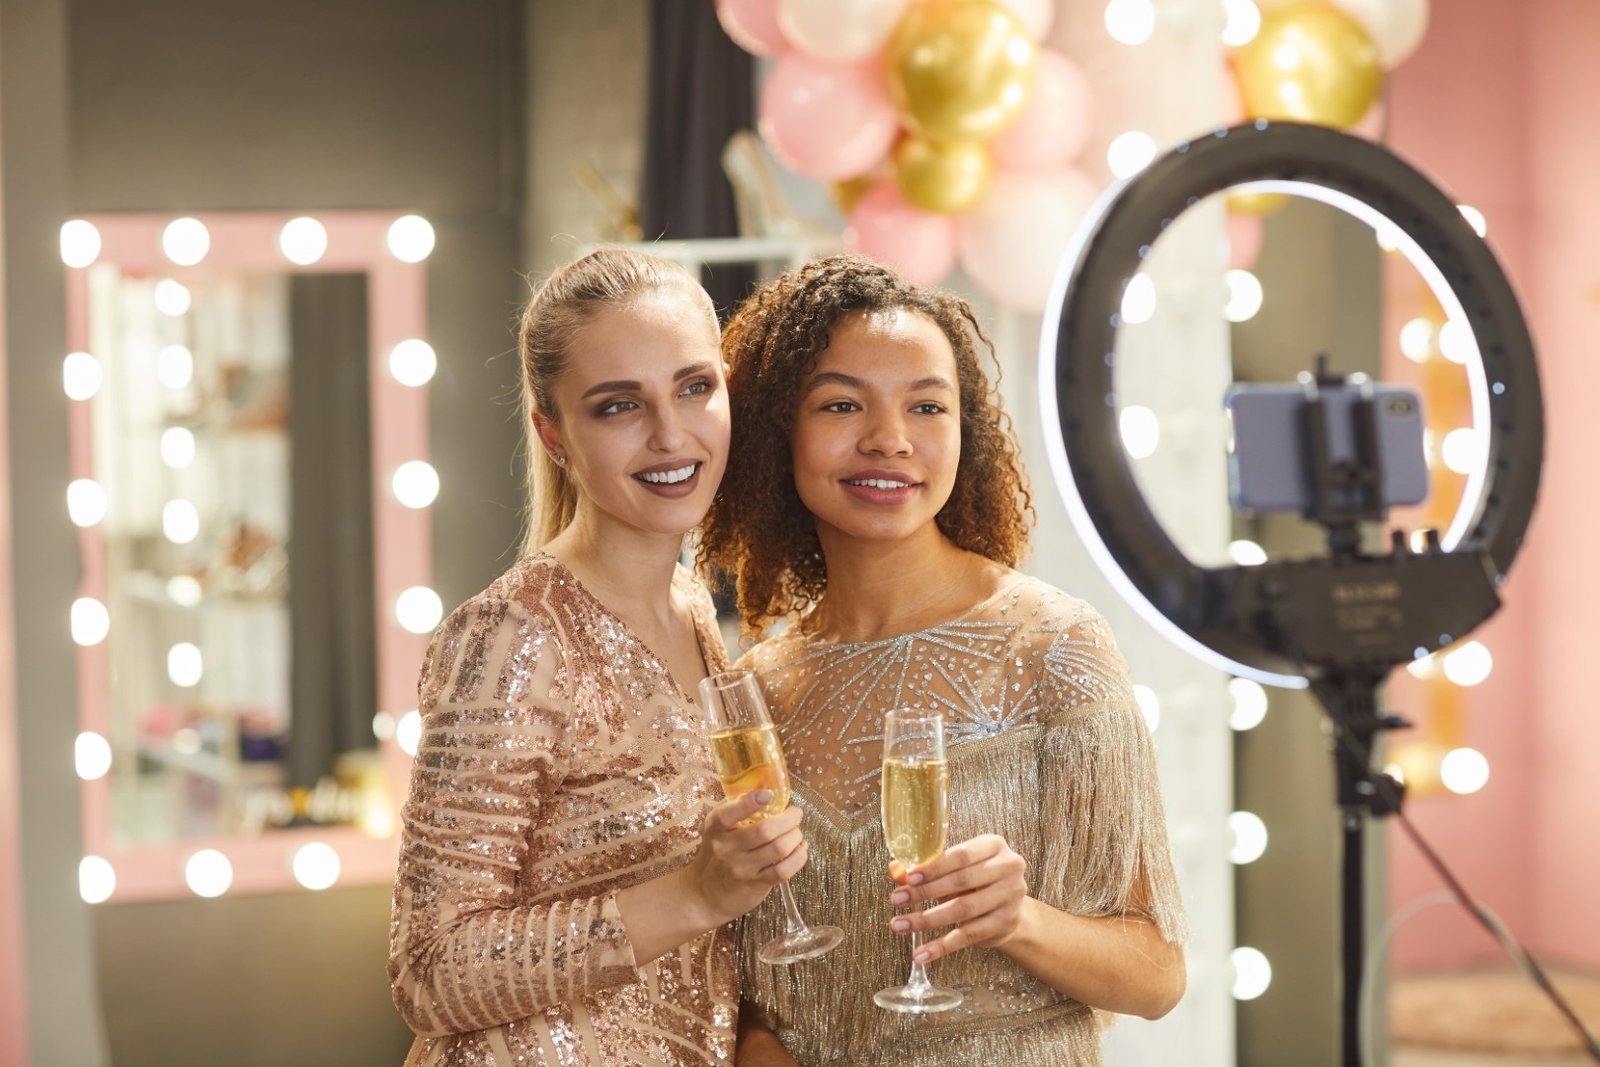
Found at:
[874, 499]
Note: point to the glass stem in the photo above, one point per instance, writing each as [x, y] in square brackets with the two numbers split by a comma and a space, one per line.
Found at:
[918, 982]
[797, 925]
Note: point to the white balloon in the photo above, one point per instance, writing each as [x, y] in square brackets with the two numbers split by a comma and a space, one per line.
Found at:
[1013, 241]
[1395, 26]
[1035, 15]
[839, 31]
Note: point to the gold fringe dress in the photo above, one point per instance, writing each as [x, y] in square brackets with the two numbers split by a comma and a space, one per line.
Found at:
[1047, 748]
[559, 763]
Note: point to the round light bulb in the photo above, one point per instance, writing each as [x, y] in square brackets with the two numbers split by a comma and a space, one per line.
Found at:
[1464, 770]
[97, 879]
[184, 590]
[1423, 667]
[1252, 973]
[1249, 837]
[1244, 296]
[1456, 342]
[1243, 22]
[86, 502]
[180, 521]
[1416, 340]
[413, 362]
[186, 241]
[383, 726]
[1141, 430]
[185, 665]
[208, 873]
[1249, 703]
[91, 756]
[174, 366]
[1246, 553]
[1468, 665]
[172, 298]
[408, 732]
[1130, 152]
[91, 622]
[1139, 299]
[419, 609]
[415, 484]
[1462, 450]
[1130, 21]
[303, 240]
[1149, 705]
[316, 865]
[80, 243]
[177, 447]
[410, 238]
[81, 376]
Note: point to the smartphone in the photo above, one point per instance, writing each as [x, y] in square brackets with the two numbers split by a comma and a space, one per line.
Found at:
[1269, 460]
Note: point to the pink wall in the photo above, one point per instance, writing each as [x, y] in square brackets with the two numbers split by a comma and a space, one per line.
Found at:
[1498, 108]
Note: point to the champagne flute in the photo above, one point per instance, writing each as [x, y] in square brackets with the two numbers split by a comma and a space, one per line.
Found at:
[744, 747]
[916, 818]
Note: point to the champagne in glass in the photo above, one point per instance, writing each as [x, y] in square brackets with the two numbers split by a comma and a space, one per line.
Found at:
[745, 750]
[916, 818]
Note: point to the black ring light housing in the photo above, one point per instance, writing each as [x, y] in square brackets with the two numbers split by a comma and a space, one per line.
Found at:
[1286, 621]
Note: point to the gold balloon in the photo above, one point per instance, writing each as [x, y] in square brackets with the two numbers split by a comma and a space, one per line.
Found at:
[847, 192]
[944, 177]
[1310, 62]
[960, 69]
[1256, 203]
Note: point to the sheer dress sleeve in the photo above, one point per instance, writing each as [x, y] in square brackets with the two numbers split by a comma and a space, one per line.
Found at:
[1105, 849]
[467, 952]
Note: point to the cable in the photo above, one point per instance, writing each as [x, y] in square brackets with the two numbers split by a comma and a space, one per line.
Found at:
[1487, 919]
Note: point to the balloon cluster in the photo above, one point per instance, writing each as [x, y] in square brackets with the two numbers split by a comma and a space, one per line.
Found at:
[1319, 61]
[944, 129]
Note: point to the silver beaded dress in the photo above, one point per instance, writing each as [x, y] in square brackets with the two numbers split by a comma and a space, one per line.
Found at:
[559, 763]
[1047, 748]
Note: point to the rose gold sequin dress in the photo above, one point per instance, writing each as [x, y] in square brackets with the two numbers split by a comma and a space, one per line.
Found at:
[559, 763]
[1047, 748]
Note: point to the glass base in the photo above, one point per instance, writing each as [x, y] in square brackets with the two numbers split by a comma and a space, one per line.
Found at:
[917, 1000]
[801, 945]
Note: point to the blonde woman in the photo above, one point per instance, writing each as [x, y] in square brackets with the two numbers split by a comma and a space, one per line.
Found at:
[568, 868]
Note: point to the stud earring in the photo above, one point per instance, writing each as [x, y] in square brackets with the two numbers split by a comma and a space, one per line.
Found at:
[561, 461]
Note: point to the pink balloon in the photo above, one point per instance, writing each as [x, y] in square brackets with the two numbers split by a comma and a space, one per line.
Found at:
[1054, 124]
[1246, 233]
[1035, 15]
[1013, 241]
[827, 120]
[1374, 123]
[753, 25]
[919, 245]
[839, 31]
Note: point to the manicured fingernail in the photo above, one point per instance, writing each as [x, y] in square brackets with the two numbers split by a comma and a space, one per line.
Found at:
[901, 897]
[763, 797]
[916, 878]
[901, 925]
[922, 955]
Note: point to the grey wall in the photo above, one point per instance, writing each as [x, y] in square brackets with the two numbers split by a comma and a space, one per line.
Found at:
[403, 105]
[63, 1011]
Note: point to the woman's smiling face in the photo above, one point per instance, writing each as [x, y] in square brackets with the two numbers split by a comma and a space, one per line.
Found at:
[643, 413]
[877, 428]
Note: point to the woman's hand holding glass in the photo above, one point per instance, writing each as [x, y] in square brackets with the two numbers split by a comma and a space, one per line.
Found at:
[749, 760]
[742, 856]
[980, 888]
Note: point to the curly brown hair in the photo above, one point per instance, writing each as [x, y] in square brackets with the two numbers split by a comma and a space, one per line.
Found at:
[758, 528]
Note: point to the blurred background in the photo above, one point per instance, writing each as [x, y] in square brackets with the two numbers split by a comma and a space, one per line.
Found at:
[260, 267]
